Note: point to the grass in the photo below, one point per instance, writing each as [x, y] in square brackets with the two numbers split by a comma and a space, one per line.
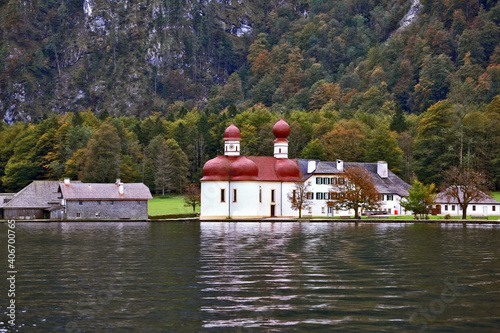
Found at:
[496, 195]
[173, 204]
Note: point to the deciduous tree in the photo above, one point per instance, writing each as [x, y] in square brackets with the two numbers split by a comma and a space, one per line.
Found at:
[357, 192]
[464, 186]
[298, 197]
[420, 199]
[192, 196]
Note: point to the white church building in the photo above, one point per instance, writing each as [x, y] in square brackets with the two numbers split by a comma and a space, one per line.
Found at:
[253, 187]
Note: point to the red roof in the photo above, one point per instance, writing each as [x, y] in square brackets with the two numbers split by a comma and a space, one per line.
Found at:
[232, 133]
[281, 130]
[261, 168]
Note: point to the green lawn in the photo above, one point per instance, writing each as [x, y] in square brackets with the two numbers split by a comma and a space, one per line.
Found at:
[173, 204]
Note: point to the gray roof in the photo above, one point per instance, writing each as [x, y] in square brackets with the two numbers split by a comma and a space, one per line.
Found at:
[98, 191]
[441, 198]
[390, 185]
[38, 194]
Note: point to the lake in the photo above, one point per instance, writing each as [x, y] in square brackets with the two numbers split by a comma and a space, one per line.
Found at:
[254, 277]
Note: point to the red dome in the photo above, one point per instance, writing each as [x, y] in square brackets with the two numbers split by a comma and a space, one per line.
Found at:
[281, 129]
[244, 169]
[287, 169]
[216, 169]
[232, 133]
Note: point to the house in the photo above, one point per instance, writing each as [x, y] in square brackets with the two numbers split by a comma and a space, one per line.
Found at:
[235, 186]
[449, 206]
[4, 199]
[96, 201]
[320, 176]
[38, 200]
[75, 200]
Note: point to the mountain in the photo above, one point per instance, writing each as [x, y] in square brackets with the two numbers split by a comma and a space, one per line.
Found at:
[135, 58]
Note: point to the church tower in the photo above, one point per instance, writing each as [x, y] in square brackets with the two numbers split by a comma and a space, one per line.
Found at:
[232, 138]
[281, 131]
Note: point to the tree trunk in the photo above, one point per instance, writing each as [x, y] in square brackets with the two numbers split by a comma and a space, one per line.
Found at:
[464, 212]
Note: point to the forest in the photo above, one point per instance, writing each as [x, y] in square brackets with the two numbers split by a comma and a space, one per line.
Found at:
[143, 91]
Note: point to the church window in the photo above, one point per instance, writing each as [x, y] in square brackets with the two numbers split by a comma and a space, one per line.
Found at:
[273, 195]
[234, 194]
[222, 195]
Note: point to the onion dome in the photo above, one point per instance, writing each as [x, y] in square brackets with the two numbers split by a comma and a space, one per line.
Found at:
[216, 169]
[232, 133]
[281, 129]
[287, 169]
[244, 169]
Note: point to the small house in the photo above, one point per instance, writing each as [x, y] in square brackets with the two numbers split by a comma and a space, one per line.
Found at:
[450, 206]
[97, 201]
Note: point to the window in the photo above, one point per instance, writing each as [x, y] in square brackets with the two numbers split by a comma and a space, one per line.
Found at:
[234, 195]
[452, 207]
[294, 195]
[310, 210]
[445, 207]
[318, 181]
[322, 210]
[98, 214]
[341, 181]
[78, 214]
[273, 195]
[112, 202]
[493, 208]
[474, 208]
[80, 203]
[260, 194]
[138, 202]
[390, 197]
[310, 195]
[222, 195]
[333, 181]
[98, 202]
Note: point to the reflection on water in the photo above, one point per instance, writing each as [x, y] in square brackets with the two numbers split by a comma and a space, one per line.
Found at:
[255, 277]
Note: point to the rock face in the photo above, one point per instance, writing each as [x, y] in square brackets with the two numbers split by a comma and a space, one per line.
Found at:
[118, 56]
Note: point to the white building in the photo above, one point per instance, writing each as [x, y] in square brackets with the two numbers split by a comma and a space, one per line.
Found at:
[448, 206]
[235, 186]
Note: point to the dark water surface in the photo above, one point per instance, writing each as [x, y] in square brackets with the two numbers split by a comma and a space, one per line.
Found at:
[253, 277]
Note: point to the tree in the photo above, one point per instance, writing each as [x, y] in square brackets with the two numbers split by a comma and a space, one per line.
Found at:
[102, 158]
[420, 199]
[464, 186]
[313, 150]
[192, 196]
[298, 198]
[357, 192]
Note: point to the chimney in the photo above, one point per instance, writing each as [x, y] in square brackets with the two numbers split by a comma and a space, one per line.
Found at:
[340, 165]
[66, 181]
[120, 189]
[311, 166]
[118, 181]
[382, 169]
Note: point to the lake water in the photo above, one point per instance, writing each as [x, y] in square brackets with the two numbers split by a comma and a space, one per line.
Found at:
[254, 277]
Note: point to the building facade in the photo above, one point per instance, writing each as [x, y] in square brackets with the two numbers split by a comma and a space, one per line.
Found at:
[94, 201]
[235, 186]
[448, 206]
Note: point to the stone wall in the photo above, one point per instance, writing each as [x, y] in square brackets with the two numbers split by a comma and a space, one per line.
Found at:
[107, 210]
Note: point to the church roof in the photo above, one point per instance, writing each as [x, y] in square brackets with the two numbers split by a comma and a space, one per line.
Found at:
[268, 169]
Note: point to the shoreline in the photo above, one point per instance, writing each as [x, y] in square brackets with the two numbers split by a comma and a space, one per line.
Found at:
[271, 220]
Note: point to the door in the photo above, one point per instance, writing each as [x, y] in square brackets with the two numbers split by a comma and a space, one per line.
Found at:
[485, 210]
[330, 212]
[273, 210]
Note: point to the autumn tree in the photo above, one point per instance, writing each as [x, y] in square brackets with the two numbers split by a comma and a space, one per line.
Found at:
[192, 196]
[464, 186]
[357, 192]
[102, 158]
[298, 197]
[420, 199]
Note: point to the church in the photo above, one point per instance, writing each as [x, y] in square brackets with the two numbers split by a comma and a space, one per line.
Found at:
[254, 187]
